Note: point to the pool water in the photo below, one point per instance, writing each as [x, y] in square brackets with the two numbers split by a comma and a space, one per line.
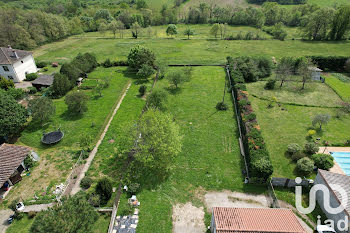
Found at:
[343, 160]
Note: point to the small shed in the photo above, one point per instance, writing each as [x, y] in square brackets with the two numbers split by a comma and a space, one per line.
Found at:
[43, 81]
[315, 73]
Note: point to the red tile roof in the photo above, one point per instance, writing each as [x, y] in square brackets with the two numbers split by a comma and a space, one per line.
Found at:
[252, 220]
[11, 156]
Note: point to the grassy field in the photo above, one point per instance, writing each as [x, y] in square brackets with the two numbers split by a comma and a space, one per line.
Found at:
[315, 94]
[329, 3]
[342, 88]
[179, 50]
[282, 127]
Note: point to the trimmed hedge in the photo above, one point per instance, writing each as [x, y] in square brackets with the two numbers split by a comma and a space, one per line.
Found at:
[330, 63]
[260, 166]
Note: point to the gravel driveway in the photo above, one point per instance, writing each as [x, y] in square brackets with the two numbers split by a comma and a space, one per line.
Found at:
[4, 215]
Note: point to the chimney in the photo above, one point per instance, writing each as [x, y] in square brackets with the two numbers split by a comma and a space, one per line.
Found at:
[9, 46]
[14, 54]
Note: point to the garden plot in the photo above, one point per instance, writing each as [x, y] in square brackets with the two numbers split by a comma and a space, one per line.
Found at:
[188, 219]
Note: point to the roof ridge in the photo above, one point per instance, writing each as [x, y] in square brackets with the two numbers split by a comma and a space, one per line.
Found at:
[5, 54]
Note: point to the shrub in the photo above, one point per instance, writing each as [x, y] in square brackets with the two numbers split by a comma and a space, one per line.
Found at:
[305, 166]
[86, 182]
[77, 102]
[294, 148]
[13, 204]
[44, 69]
[31, 76]
[32, 90]
[311, 133]
[104, 190]
[120, 63]
[145, 71]
[157, 99]
[334, 63]
[251, 116]
[262, 168]
[107, 63]
[142, 90]
[31, 214]
[323, 161]
[29, 162]
[139, 56]
[61, 85]
[297, 156]
[19, 215]
[94, 200]
[221, 106]
[311, 148]
[133, 188]
[5, 83]
[41, 64]
[241, 86]
[243, 102]
[17, 94]
[270, 84]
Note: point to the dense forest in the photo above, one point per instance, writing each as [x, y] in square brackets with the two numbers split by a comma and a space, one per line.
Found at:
[27, 24]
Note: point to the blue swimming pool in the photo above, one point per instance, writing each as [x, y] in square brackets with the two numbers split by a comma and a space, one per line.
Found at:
[343, 160]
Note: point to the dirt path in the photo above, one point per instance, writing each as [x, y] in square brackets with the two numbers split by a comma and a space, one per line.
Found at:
[4, 215]
[76, 188]
[37, 208]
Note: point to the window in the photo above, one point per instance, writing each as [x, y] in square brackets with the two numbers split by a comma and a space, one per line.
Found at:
[5, 68]
[10, 77]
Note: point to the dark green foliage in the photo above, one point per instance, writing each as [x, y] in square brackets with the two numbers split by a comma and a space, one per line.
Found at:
[270, 84]
[340, 23]
[72, 72]
[294, 148]
[104, 190]
[75, 214]
[13, 204]
[276, 31]
[31, 76]
[77, 102]
[251, 116]
[13, 115]
[241, 86]
[142, 90]
[41, 64]
[323, 161]
[29, 162]
[41, 109]
[221, 106]
[311, 148]
[32, 90]
[333, 63]
[282, 2]
[262, 168]
[305, 166]
[85, 62]
[5, 83]
[17, 94]
[145, 72]
[139, 56]
[61, 85]
[157, 99]
[107, 63]
[86, 182]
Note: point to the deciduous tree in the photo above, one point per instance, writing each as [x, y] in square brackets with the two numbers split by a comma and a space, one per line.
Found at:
[41, 109]
[76, 102]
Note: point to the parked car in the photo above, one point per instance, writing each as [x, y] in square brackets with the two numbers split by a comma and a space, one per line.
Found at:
[11, 218]
[324, 229]
[20, 207]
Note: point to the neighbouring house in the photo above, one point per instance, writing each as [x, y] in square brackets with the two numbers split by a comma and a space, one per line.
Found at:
[43, 81]
[254, 220]
[15, 64]
[315, 73]
[12, 164]
[329, 179]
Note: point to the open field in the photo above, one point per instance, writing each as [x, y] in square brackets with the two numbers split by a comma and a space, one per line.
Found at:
[340, 87]
[178, 51]
[282, 127]
[329, 3]
[315, 94]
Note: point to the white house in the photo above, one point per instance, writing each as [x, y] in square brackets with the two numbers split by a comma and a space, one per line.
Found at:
[15, 64]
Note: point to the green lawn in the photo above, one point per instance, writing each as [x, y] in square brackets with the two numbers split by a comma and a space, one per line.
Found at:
[282, 127]
[179, 50]
[210, 158]
[342, 88]
[315, 94]
[329, 3]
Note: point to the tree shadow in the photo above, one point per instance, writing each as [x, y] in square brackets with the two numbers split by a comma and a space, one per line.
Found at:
[174, 90]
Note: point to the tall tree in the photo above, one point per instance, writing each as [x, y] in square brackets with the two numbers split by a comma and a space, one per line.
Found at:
[113, 26]
[75, 214]
[135, 29]
[315, 26]
[12, 115]
[188, 32]
[304, 70]
[340, 23]
[41, 109]
[321, 119]
[171, 30]
[284, 70]
[76, 102]
[103, 28]
[121, 27]
[215, 30]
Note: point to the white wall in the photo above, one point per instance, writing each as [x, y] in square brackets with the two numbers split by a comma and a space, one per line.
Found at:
[28, 66]
[18, 70]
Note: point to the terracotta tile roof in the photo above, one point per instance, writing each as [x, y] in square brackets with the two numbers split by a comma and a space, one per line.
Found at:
[234, 220]
[11, 156]
[7, 56]
[343, 181]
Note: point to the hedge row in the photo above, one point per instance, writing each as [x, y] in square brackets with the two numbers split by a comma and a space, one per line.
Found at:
[260, 166]
[282, 2]
[330, 63]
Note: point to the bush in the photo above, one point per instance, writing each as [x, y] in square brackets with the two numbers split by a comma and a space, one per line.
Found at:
[120, 63]
[77, 102]
[31, 76]
[262, 168]
[5, 83]
[41, 64]
[311, 133]
[13, 204]
[333, 63]
[29, 162]
[142, 90]
[251, 116]
[31, 214]
[139, 56]
[323, 161]
[61, 85]
[311, 148]
[157, 99]
[19, 215]
[44, 69]
[86, 182]
[94, 200]
[297, 156]
[107, 63]
[294, 148]
[305, 166]
[221, 106]
[17, 94]
[133, 188]
[145, 71]
[32, 90]
[104, 190]
[270, 84]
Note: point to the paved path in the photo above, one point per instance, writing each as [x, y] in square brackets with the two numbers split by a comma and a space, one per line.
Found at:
[76, 187]
[37, 208]
[4, 215]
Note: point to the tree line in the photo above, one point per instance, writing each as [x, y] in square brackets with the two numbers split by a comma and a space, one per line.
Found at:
[26, 29]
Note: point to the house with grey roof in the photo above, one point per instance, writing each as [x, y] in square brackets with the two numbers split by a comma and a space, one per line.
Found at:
[15, 64]
[331, 180]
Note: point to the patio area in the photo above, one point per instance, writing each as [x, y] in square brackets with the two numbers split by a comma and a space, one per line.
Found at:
[327, 150]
